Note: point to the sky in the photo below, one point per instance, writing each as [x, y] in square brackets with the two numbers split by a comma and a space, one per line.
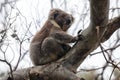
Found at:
[35, 13]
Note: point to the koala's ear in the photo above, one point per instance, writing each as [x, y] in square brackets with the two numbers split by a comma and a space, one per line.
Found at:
[53, 14]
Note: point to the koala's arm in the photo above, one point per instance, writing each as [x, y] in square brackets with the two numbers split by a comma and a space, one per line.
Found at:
[63, 37]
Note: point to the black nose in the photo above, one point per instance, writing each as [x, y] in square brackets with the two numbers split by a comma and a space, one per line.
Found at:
[68, 21]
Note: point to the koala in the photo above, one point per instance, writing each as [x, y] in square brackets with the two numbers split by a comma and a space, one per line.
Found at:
[52, 42]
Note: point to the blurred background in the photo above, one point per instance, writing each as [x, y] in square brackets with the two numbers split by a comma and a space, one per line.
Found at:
[21, 19]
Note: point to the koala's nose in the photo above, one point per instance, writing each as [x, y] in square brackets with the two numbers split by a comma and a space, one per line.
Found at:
[68, 21]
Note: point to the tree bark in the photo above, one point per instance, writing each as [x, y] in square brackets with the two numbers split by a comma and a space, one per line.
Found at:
[99, 10]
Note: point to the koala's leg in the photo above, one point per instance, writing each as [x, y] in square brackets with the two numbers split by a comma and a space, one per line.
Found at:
[52, 50]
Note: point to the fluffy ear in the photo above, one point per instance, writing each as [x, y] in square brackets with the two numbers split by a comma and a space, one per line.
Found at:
[53, 14]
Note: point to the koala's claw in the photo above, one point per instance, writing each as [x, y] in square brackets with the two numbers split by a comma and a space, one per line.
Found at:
[79, 32]
[80, 36]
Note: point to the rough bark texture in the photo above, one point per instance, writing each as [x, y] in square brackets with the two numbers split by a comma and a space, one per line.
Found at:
[99, 10]
[98, 30]
[53, 71]
[112, 26]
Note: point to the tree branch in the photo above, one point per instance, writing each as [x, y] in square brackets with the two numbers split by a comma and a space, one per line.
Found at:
[112, 26]
[99, 17]
[53, 71]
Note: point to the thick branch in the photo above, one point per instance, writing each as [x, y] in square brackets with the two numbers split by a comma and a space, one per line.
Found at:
[99, 17]
[112, 26]
[99, 12]
[53, 71]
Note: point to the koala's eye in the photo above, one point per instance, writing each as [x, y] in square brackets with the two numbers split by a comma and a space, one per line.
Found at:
[55, 15]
